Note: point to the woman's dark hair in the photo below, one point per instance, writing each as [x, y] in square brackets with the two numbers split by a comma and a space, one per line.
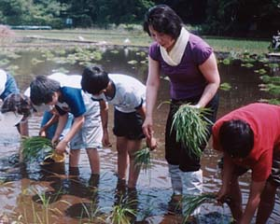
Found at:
[17, 103]
[237, 138]
[163, 20]
[94, 79]
[42, 90]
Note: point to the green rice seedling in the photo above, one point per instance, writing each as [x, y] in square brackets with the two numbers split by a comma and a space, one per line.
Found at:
[32, 147]
[44, 217]
[91, 211]
[122, 213]
[45, 199]
[191, 125]
[42, 214]
[143, 158]
[164, 102]
[194, 201]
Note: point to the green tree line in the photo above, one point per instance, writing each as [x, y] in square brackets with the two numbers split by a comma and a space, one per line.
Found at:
[259, 18]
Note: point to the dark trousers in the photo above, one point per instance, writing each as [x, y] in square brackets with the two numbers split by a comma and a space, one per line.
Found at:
[175, 152]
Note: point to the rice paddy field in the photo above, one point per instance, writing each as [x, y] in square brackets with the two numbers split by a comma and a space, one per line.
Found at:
[48, 193]
[137, 37]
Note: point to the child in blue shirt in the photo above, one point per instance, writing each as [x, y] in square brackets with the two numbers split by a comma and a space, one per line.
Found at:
[86, 130]
[50, 117]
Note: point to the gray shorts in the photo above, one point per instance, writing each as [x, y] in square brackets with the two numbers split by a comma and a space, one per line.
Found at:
[89, 136]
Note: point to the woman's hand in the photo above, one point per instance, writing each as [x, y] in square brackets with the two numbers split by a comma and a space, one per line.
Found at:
[151, 143]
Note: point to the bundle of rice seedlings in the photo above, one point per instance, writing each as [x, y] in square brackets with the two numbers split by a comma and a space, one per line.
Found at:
[143, 158]
[191, 125]
[122, 213]
[34, 147]
[194, 201]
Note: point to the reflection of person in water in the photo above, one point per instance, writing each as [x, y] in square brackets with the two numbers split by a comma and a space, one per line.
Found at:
[79, 187]
[71, 184]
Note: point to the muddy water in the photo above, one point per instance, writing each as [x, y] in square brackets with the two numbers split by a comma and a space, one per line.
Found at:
[50, 194]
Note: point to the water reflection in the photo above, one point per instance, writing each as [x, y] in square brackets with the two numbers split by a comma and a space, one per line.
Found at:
[80, 196]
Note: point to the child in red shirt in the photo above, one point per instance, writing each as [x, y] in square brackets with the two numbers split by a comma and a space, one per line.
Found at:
[249, 137]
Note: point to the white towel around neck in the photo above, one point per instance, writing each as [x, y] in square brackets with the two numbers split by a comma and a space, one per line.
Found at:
[174, 57]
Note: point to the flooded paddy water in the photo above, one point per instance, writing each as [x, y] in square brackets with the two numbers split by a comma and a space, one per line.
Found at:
[49, 194]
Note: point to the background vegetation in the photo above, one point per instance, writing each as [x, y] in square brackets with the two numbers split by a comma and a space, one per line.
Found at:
[250, 18]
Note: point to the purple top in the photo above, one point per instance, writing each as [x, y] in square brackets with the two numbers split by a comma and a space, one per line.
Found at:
[186, 79]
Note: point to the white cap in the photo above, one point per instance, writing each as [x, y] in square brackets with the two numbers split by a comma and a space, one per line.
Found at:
[3, 78]
[10, 119]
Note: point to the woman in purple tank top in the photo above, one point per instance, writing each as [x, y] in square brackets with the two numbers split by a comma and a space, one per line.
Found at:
[191, 66]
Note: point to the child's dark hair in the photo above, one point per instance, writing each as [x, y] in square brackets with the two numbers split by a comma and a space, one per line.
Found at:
[42, 90]
[163, 19]
[94, 79]
[17, 103]
[237, 138]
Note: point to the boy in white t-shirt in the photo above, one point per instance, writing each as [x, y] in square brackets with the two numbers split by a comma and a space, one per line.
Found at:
[127, 94]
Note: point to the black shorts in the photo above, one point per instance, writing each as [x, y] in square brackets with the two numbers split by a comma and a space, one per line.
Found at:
[128, 125]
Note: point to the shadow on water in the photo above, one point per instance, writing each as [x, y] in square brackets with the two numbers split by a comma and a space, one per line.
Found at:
[32, 193]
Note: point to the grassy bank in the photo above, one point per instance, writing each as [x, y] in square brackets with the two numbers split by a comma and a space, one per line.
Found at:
[137, 37]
